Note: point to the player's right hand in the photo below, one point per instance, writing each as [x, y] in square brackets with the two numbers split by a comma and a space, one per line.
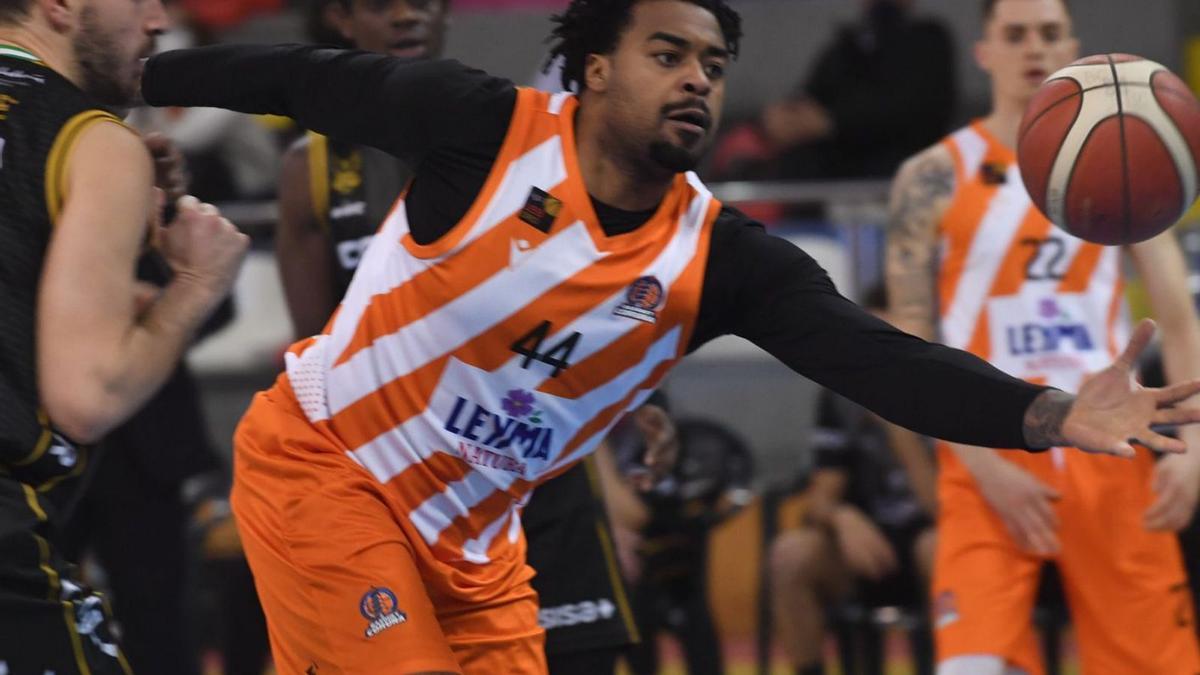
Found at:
[1024, 504]
[202, 247]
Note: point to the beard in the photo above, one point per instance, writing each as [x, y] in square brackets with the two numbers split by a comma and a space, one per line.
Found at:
[672, 157]
[100, 65]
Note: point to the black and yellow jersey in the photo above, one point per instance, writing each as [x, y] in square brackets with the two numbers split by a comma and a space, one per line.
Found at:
[41, 115]
[353, 188]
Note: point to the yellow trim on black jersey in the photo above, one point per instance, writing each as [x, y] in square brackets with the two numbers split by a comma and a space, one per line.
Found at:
[318, 177]
[610, 557]
[32, 499]
[56, 161]
[55, 595]
[81, 460]
[39, 448]
[108, 616]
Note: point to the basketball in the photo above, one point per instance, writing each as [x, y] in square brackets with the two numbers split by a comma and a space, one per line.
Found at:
[1108, 148]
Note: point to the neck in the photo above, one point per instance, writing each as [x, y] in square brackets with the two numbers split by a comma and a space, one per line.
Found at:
[1005, 120]
[53, 49]
[611, 178]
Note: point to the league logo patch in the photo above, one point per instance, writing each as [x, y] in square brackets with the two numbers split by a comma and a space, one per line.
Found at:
[378, 607]
[541, 209]
[642, 300]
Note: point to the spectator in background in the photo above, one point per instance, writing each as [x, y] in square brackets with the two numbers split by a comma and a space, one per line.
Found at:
[884, 89]
[669, 570]
[867, 531]
[230, 155]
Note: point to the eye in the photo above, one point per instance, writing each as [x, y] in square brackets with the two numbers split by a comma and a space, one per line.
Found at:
[1052, 33]
[1014, 35]
[715, 71]
[668, 59]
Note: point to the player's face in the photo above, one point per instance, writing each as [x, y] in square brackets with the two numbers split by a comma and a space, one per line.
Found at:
[112, 40]
[406, 28]
[665, 83]
[1024, 42]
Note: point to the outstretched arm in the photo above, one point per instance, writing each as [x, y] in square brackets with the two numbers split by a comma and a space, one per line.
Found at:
[400, 106]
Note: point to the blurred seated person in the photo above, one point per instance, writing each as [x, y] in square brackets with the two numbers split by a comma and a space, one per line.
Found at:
[884, 89]
[669, 576]
[867, 532]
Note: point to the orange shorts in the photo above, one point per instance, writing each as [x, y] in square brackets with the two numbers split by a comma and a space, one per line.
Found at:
[1125, 586]
[345, 589]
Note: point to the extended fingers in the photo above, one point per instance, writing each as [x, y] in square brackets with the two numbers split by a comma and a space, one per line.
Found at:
[1137, 343]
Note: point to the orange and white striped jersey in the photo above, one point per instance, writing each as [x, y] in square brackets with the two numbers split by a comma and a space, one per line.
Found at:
[1014, 289]
[462, 372]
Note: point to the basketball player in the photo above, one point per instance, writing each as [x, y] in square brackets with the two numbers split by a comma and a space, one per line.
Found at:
[1005, 275]
[82, 346]
[552, 258]
[333, 195]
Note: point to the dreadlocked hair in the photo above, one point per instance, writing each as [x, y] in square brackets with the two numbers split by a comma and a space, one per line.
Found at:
[595, 27]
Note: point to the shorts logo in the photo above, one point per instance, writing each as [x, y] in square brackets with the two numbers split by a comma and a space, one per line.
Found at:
[945, 609]
[642, 300]
[378, 607]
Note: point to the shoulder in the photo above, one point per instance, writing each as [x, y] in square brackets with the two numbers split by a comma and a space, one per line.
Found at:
[927, 178]
[934, 160]
[732, 219]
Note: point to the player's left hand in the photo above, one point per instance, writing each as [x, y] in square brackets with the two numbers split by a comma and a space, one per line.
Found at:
[662, 445]
[1112, 411]
[170, 168]
[1177, 484]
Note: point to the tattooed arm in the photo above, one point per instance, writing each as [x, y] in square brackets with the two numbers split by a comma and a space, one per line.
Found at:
[920, 196]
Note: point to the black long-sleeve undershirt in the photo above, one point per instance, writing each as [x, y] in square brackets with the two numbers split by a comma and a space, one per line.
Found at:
[449, 121]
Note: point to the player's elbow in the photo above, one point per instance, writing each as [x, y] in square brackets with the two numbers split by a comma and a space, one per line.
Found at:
[81, 413]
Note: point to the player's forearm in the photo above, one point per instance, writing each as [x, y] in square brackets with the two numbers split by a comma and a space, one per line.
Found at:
[117, 371]
[979, 461]
[1181, 362]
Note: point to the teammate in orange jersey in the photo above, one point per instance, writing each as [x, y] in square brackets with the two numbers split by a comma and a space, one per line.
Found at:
[552, 258]
[1045, 306]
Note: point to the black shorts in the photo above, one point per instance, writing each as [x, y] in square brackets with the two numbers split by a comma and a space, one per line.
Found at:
[49, 621]
[584, 604]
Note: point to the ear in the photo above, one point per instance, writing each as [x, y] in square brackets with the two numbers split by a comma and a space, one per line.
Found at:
[60, 14]
[596, 71]
[983, 55]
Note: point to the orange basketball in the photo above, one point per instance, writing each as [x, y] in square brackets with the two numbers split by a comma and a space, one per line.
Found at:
[1109, 146]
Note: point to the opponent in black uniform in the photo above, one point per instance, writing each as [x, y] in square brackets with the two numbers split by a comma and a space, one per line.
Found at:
[81, 347]
[333, 196]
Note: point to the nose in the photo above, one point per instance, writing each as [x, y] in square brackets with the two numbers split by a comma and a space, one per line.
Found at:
[156, 22]
[695, 80]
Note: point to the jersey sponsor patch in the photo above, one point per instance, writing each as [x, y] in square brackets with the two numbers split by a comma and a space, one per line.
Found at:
[578, 613]
[378, 607]
[1057, 337]
[541, 209]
